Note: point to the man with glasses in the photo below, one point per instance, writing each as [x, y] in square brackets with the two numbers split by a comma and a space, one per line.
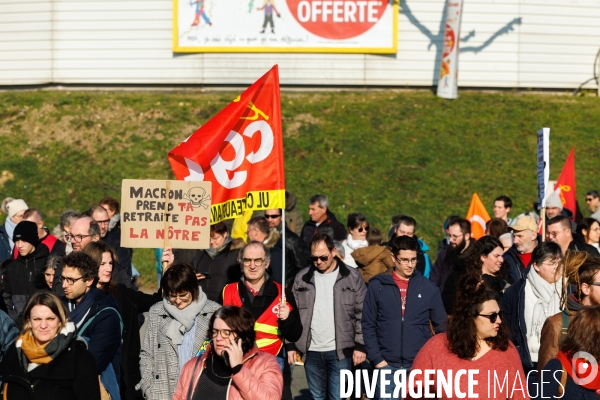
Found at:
[459, 237]
[112, 238]
[592, 199]
[396, 326]
[528, 302]
[258, 230]
[559, 231]
[262, 296]
[407, 227]
[296, 252]
[525, 241]
[330, 298]
[94, 312]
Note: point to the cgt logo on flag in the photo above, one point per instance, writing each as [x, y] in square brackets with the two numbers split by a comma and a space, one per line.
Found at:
[240, 150]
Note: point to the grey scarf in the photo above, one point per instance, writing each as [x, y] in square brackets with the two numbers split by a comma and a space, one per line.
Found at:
[183, 320]
[547, 304]
[213, 252]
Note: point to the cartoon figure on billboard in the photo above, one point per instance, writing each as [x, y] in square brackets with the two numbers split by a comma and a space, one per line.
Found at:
[269, 7]
[200, 13]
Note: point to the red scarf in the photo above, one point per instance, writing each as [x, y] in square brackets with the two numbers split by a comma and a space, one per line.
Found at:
[580, 371]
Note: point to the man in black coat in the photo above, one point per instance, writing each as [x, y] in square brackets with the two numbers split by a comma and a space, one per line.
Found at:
[20, 275]
[320, 216]
[559, 231]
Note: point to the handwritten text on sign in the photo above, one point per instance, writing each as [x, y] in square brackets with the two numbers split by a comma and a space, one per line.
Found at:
[151, 213]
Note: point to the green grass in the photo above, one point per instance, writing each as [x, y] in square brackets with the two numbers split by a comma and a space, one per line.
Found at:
[379, 152]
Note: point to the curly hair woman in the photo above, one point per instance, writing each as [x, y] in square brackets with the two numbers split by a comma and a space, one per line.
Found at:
[477, 339]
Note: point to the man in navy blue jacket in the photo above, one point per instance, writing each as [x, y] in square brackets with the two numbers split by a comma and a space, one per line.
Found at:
[399, 306]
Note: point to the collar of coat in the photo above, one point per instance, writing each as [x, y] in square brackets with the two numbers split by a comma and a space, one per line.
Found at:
[342, 270]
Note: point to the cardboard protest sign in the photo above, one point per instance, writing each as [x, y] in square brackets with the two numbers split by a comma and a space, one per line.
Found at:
[162, 213]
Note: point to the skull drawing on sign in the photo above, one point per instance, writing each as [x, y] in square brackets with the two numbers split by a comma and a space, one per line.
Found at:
[198, 197]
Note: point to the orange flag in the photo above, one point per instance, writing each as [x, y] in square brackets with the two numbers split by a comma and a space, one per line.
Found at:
[240, 150]
[478, 216]
[566, 183]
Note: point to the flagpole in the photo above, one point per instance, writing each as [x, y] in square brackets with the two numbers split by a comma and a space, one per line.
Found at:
[166, 234]
[543, 224]
[283, 255]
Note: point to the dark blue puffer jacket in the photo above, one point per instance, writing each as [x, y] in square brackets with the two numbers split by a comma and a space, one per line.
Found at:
[389, 336]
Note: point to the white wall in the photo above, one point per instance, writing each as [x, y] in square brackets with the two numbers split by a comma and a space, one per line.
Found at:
[552, 44]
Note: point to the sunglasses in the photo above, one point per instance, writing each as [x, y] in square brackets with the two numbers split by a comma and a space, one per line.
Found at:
[272, 216]
[361, 229]
[493, 316]
[322, 258]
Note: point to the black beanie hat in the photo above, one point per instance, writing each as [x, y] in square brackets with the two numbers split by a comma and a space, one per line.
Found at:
[26, 231]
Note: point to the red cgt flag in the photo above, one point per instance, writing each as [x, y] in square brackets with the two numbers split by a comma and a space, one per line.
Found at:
[566, 183]
[240, 150]
[478, 217]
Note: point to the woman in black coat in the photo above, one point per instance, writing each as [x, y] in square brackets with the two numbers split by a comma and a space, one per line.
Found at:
[48, 361]
[483, 259]
[131, 303]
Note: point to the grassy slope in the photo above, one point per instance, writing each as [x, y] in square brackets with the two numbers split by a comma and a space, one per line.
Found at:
[377, 152]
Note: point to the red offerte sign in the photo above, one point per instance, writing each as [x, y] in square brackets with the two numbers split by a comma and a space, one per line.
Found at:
[240, 150]
[337, 19]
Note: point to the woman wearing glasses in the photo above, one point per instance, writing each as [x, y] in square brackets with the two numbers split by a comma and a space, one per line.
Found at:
[232, 367]
[476, 339]
[358, 226]
[175, 333]
[484, 260]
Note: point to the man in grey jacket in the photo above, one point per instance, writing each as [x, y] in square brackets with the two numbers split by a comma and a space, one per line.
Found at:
[330, 298]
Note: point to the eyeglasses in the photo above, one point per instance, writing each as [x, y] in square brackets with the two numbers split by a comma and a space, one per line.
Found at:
[554, 234]
[456, 236]
[406, 261]
[70, 281]
[75, 238]
[182, 297]
[106, 221]
[257, 261]
[272, 216]
[314, 259]
[215, 238]
[365, 229]
[493, 316]
[588, 199]
[225, 333]
[551, 265]
[594, 283]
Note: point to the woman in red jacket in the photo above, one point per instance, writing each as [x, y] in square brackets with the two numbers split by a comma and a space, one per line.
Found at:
[232, 367]
[476, 339]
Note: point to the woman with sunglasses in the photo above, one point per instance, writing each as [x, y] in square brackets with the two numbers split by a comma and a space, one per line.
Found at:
[175, 333]
[232, 367]
[358, 226]
[483, 259]
[477, 339]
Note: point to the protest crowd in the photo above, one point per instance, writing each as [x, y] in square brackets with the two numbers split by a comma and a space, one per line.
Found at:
[233, 320]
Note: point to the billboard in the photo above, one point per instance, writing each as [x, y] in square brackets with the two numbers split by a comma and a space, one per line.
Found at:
[286, 26]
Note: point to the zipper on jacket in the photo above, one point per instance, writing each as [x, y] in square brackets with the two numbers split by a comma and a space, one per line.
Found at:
[402, 322]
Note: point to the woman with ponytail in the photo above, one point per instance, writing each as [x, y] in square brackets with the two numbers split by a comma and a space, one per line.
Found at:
[48, 361]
